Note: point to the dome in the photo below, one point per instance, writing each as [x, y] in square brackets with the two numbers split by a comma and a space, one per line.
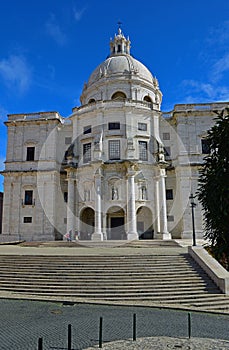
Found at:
[120, 66]
[123, 74]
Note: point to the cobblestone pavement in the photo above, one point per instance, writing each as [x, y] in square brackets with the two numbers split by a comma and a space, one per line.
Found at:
[162, 343]
[23, 322]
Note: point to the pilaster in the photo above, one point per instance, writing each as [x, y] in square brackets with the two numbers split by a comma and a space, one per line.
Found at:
[71, 203]
[98, 235]
[131, 205]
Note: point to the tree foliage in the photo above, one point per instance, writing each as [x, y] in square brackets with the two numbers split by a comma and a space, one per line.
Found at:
[213, 190]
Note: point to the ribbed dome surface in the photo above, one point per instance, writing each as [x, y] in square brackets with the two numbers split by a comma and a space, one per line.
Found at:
[120, 65]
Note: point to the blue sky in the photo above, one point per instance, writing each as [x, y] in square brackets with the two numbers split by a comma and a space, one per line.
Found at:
[49, 48]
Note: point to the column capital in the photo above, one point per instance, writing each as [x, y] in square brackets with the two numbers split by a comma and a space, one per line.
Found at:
[163, 172]
[131, 173]
[98, 173]
[71, 174]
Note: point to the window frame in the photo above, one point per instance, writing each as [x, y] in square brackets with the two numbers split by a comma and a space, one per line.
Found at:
[142, 126]
[27, 220]
[87, 129]
[65, 196]
[114, 126]
[166, 136]
[28, 197]
[68, 140]
[170, 218]
[112, 150]
[167, 150]
[143, 151]
[205, 146]
[86, 157]
[169, 194]
[30, 153]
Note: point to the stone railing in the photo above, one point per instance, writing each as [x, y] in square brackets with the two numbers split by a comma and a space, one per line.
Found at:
[214, 270]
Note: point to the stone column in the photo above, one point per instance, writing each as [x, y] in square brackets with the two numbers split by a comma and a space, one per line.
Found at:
[98, 235]
[131, 208]
[104, 220]
[157, 206]
[164, 226]
[71, 204]
[77, 220]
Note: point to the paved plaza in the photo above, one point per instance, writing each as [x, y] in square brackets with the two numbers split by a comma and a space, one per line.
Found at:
[23, 322]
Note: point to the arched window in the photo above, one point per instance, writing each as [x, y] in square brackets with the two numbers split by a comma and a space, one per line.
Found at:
[147, 99]
[92, 100]
[119, 95]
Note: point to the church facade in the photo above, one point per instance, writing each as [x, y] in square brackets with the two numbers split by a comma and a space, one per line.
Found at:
[117, 168]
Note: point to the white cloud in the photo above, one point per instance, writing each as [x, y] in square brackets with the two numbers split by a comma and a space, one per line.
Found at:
[2, 165]
[219, 35]
[220, 67]
[197, 92]
[3, 113]
[16, 73]
[54, 30]
[78, 13]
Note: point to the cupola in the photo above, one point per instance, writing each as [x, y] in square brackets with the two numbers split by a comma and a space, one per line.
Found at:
[119, 45]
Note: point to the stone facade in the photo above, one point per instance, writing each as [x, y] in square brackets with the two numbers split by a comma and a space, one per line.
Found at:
[118, 168]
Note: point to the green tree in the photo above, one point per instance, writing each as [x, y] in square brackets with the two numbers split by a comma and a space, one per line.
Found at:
[213, 190]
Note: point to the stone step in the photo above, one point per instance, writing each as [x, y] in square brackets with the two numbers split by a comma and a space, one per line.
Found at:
[110, 282]
[161, 279]
[93, 258]
[117, 264]
[102, 264]
[109, 295]
[106, 274]
[98, 288]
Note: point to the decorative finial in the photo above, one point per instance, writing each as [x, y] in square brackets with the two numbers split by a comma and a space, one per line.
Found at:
[119, 27]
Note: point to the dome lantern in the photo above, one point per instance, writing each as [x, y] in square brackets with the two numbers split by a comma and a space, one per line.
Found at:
[119, 45]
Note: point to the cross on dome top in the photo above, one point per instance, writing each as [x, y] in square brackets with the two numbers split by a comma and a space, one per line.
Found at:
[120, 45]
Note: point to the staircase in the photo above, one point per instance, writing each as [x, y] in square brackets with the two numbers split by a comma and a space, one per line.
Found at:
[146, 279]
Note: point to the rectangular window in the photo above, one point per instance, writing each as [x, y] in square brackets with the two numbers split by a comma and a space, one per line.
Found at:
[142, 126]
[205, 144]
[114, 149]
[166, 136]
[66, 197]
[68, 140]
[169, 194]
[27, 219]
[65, 220]
[114, 126]
[167, 153]
[87, 152]
[30, 153]
[87, 129]
[28, 197]
[143, 154]
[170, 218]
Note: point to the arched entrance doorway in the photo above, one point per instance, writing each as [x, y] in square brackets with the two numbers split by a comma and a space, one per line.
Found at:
[87, 223]
[145, 223]
[116, 223]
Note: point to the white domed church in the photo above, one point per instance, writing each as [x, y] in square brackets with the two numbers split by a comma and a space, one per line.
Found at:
[117, 169]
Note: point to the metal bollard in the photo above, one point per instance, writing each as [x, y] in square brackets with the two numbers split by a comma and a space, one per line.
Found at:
[40, 344]
[189, 325]
[134, 327]
[100, 332]
[69, 337]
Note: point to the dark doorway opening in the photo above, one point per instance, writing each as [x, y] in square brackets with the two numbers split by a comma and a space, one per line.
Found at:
[117, 228]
